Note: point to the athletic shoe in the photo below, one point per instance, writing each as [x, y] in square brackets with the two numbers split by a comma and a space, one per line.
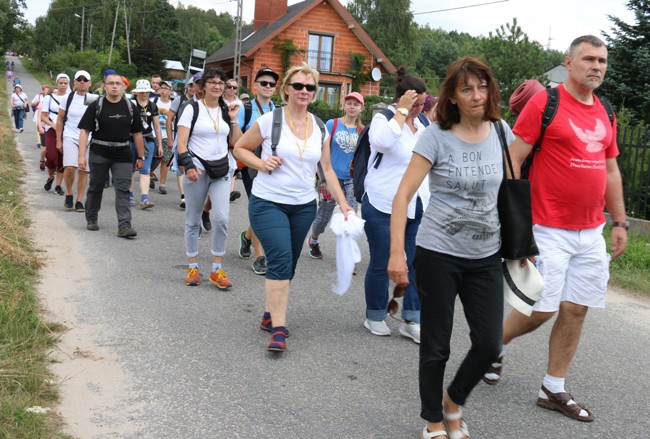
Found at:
[162, 189]
[278, 340]
[38, 144]
[92, 225]
[267, 324]
[410, 330]
[41, 166]
[153, 177]
[377, 328]
[127, 232]
[21, 130]
[48, 184]
[205, 219]
[79, 207]
[220, 279]
[259, 265]
[244, 245]
[182, 203]
[146, 204]
[59, 190]
[314, 251]
[193, 277]
[152, 184]
[67, 204]
[234, 195]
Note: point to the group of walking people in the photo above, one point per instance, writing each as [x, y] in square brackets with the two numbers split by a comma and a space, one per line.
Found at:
[429, 203]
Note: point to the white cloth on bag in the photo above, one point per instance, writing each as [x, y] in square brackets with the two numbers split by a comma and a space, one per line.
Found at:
[347, 250]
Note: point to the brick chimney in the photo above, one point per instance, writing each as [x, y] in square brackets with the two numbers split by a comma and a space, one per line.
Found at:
[267, 11]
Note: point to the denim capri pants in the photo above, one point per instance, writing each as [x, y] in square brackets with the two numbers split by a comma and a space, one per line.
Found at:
[281, 229]
[150, 148]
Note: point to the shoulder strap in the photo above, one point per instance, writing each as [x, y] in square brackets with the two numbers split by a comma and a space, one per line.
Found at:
[67, 107]
[334, 125]
[248, 113]
[100, 103]
[323, 130]
[276, 130]
[550, 109]
[504, 146]
[195, 116]
[608, 108]
[130, 106]
[424, 119]
[155, 100]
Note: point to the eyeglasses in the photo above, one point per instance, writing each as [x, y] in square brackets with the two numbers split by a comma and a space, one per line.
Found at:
[212, 83]
[266, 83]
[82, 79]
[114, 84]
[232, 87]
[393, 306]
[166, 88]
[299, 86]
[155, 83]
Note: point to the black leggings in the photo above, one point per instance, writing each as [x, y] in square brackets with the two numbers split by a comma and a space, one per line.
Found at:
[479, 283]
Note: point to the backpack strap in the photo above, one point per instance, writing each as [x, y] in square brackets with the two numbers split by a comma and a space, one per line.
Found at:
[195, 116]
[248, 113]
[334, 125]
[424, 119]
[100, 104]
[276, 130]
[608, 108]
[550, 109]
[388, 114]
[67, 107]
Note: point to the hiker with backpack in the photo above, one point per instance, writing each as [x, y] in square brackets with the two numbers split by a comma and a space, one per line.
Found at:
[458, 241]
[49, 115]
[344, 133]
[67, 140]
[266, 81]
[392, 135]
[282, 205]
[207, 129]
[113, 122]
[19, 104]
[574, 176]
[164, 103]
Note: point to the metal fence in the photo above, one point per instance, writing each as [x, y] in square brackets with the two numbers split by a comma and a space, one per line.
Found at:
[634, 162]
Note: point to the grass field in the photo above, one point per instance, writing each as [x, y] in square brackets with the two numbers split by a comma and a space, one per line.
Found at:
[25, 339]
[631, 271]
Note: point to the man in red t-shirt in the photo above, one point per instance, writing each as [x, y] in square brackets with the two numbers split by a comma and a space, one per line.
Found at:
[573, 178]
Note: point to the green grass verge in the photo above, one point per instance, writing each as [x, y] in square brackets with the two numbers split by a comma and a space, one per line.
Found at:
[631, 270]
[25, 339]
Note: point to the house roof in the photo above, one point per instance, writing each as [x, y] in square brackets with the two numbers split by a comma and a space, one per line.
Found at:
[252, 40]
[173, 65]
[557, 75]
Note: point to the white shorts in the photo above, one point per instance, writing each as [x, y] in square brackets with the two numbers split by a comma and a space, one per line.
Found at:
[71, 153]
[574, 265]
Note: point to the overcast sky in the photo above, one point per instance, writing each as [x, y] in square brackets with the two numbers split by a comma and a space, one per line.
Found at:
[561, 20]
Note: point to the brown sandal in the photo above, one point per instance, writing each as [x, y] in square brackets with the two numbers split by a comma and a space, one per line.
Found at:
[559, 403]
[495, 369]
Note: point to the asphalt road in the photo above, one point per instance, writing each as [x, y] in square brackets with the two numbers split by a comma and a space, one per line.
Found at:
[194, 363]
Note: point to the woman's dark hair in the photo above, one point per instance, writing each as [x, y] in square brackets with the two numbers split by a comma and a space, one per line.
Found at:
[212, 73]
[405, 82]
[446, 112]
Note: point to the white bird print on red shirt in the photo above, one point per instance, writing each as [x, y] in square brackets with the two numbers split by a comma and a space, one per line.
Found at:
[591, 138]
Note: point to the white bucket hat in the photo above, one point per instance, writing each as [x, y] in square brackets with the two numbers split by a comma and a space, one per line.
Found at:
[521, 285]
[142, 86]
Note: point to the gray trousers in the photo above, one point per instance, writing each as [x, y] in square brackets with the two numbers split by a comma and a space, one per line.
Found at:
[121, 173]
[326, 207]
[195, 196]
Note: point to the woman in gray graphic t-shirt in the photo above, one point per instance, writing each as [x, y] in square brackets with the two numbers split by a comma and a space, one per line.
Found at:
[458, 239]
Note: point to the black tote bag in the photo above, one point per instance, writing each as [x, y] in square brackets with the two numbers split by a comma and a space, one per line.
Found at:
[515, 213]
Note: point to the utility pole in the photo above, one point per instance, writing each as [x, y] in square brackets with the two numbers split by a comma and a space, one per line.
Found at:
[117, 12]
[126, 28]
[236, 69]
[83, 15]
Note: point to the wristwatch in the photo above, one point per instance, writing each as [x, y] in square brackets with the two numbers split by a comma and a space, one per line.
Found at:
[141, 158]
[623, 224]
[403, 111]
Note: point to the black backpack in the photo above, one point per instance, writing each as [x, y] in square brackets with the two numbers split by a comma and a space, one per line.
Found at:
[550, 109]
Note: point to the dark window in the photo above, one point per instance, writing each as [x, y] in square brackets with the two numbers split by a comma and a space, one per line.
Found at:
[319, 52]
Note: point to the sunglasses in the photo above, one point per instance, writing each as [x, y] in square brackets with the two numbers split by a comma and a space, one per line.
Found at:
[266, 83]
[82, 79]
[232, 87]
[299, 86]
[393, 306]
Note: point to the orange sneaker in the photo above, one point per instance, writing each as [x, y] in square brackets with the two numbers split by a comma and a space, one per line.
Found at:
[193, 277]
[220, 279]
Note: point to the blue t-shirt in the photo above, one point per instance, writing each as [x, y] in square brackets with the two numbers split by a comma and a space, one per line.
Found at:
[342, 146]
[254, 115]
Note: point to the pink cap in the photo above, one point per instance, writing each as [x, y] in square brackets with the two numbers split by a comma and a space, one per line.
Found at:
[523, 93]
[355, 95]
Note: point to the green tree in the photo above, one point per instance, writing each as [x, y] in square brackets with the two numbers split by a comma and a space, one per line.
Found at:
[11, 22]
[628, 76]
[390, 25]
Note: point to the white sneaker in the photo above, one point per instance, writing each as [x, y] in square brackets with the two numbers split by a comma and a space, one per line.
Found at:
[410, 330]
[377, 328]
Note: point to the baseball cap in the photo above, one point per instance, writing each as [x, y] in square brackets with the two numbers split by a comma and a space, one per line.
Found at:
[523, 93]
[83, 73]
[197, 77]
[167, 83]
[109, 72]
[244, 96]
[125, 81]
[356, 96]
[267, 71]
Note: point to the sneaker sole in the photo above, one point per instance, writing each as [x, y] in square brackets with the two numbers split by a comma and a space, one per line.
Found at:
[219, 286]
[407, 335]
[68, 209]
[315, 257]
[193, 284]
[146, 206]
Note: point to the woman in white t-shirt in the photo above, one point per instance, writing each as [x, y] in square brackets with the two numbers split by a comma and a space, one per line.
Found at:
[164, 104]
[49, 114]
[203, 142]
[19, 104]
[282, 205]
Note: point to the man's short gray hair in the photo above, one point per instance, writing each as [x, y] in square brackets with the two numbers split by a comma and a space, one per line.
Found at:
[589, 39]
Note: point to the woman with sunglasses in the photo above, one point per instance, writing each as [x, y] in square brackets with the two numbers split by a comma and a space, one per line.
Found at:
[282, 205]
[201, 143]
[458, 241]
[391, 144]
[49, 114]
